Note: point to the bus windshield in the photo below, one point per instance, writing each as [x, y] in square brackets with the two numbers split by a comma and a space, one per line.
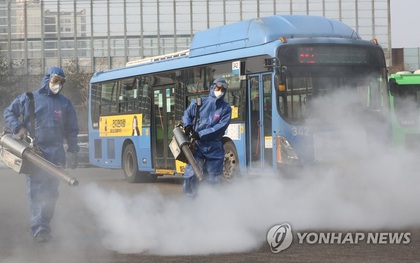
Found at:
[407, 104]
[315, 88]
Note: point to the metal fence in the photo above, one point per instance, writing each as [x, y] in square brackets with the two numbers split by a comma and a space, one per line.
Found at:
[103, 34]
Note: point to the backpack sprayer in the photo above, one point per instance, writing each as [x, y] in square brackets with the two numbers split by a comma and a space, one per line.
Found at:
[22, 157]
[182, 146]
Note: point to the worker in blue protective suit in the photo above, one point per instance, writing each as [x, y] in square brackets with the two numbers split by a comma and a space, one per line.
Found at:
[55, 121]
[207, 131]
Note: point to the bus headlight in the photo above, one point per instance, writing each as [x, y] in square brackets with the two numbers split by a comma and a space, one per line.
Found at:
[285, 152]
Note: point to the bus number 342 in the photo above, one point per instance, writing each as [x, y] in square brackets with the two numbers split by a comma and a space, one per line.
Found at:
[300, 131]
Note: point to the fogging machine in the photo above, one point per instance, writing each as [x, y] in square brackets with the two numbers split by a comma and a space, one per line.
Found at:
[182, 146]
[22, 157]
[182, 149]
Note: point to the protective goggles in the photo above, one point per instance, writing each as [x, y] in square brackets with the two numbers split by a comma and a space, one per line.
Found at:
[220, 84]
[54, 78]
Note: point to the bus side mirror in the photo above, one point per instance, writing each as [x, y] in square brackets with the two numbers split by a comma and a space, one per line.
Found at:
[271, 63]
[393, 86]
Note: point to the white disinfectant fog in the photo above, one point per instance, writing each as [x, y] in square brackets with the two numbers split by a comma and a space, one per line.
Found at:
[377, 189]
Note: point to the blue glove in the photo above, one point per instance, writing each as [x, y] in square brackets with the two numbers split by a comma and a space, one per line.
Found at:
[188, 129]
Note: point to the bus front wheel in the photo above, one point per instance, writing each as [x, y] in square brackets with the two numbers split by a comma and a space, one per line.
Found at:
[131, 167]
[230, 165]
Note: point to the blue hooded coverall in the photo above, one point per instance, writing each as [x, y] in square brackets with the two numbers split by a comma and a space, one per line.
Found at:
[214, 118]
[55, 120]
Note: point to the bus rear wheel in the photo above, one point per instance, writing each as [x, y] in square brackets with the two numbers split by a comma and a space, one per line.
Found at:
[131, 167]
[230, 164]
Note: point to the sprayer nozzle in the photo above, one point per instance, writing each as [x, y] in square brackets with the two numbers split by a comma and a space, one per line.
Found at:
[73, 182]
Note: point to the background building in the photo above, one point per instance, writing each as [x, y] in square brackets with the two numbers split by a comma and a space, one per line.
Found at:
[406, 58]
[103, 34]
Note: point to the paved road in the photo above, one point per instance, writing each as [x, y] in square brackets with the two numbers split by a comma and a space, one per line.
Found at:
[106, 219]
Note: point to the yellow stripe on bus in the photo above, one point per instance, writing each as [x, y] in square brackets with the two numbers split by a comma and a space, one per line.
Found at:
[164, 171]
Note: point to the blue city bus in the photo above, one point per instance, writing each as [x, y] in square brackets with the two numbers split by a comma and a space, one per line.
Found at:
[276, 67]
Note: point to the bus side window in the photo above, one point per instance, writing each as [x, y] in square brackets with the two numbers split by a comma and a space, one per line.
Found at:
[123, 99]
[197, 80]
[128, 95]
[179, 94]
[143, 99]
[108, 98]
[96, 103]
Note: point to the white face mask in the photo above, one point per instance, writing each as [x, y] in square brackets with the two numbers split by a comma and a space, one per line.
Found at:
[55, 88]
[218, 93]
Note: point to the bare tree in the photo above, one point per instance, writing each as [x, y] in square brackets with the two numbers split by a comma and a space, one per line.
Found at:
[76, 89]
[8, 82]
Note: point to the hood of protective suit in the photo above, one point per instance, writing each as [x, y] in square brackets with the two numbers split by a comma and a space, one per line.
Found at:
[46, 80]
[211, 93]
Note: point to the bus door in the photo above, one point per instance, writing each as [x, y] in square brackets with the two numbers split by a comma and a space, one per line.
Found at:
[259, 152]
[162, 126]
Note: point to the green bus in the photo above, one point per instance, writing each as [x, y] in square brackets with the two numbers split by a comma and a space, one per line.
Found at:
[404, 89]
